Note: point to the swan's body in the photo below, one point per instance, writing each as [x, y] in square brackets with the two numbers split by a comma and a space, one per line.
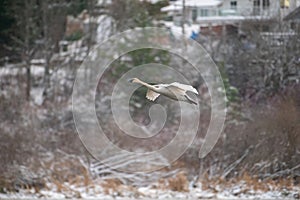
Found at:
[175, 91]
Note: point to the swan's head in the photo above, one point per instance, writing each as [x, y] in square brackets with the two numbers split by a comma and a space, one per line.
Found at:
[133, 80]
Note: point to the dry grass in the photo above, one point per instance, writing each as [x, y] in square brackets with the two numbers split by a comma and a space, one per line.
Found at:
[178, 183]
[114, 187]
[111, 186]
[247, 183]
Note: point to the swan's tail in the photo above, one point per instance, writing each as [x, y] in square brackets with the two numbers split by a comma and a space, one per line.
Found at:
[190, 100]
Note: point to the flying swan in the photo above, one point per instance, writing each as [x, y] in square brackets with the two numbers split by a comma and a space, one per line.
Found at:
[175, 91]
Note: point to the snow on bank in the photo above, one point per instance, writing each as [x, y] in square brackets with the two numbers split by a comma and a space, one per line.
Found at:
[99, 191]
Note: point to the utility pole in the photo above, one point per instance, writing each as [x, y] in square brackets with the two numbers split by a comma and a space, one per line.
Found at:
[183, 17]
[182, 25]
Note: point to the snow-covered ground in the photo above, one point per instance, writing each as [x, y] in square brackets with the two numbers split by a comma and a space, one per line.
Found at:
[177, 30]
[98, 190]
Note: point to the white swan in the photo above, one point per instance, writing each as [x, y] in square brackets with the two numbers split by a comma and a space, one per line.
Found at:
[175, 91]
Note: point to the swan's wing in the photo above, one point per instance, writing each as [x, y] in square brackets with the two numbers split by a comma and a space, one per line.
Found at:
[151, 95]
[184, 87]
[175, 90]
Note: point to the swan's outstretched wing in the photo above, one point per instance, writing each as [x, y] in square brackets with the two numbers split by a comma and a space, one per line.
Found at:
[175, 90]
[184, 87]
[151, 95]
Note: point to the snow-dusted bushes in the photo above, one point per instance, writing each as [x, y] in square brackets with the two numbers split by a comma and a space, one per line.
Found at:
[263, 141]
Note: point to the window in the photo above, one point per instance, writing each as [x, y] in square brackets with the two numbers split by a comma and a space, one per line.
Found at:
[266, 4]
[256, 7]
[233, 5]
[194, 14]
[204, 12]
[213, 13]
[260, 4]
[256, 3]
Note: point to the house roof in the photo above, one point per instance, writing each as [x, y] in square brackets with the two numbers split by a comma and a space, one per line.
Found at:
[152, 1]
[199, 3]
[177, 5]
[295, 14]
[171, 7]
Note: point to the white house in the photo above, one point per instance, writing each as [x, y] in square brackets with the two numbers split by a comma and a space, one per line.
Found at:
[223, 11]
[226, 16]
[246, 8]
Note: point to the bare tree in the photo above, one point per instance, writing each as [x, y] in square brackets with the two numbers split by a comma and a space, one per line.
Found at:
[130, 14]
[47, 44]
[53, 21]
[24, 13]
[268, 58]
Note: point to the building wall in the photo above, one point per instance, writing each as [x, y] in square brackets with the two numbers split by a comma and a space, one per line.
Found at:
[294, 4]
[244, 7]
[247, 8]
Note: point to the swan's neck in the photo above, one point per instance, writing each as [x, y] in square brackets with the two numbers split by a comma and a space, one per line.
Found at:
[145, 84]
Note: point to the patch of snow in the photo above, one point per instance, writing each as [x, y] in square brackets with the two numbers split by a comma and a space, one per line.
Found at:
[171, 7]
[52, 194]
[96, 191]
[17, 69]
[37, 95]
[104, 2]
[147, 191]
[204, 194]
[152, 1]
[37, 70]
[104, 28]
[11, 70]
[37, 61]
[177, 30]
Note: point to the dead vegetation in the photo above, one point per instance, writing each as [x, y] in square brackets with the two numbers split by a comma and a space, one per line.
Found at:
[263, 143]
[261, 149]
[247, 184]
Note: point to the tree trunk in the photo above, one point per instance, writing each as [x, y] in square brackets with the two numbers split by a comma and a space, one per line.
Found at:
[27, 51]
[28, 79]
[47, 47]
